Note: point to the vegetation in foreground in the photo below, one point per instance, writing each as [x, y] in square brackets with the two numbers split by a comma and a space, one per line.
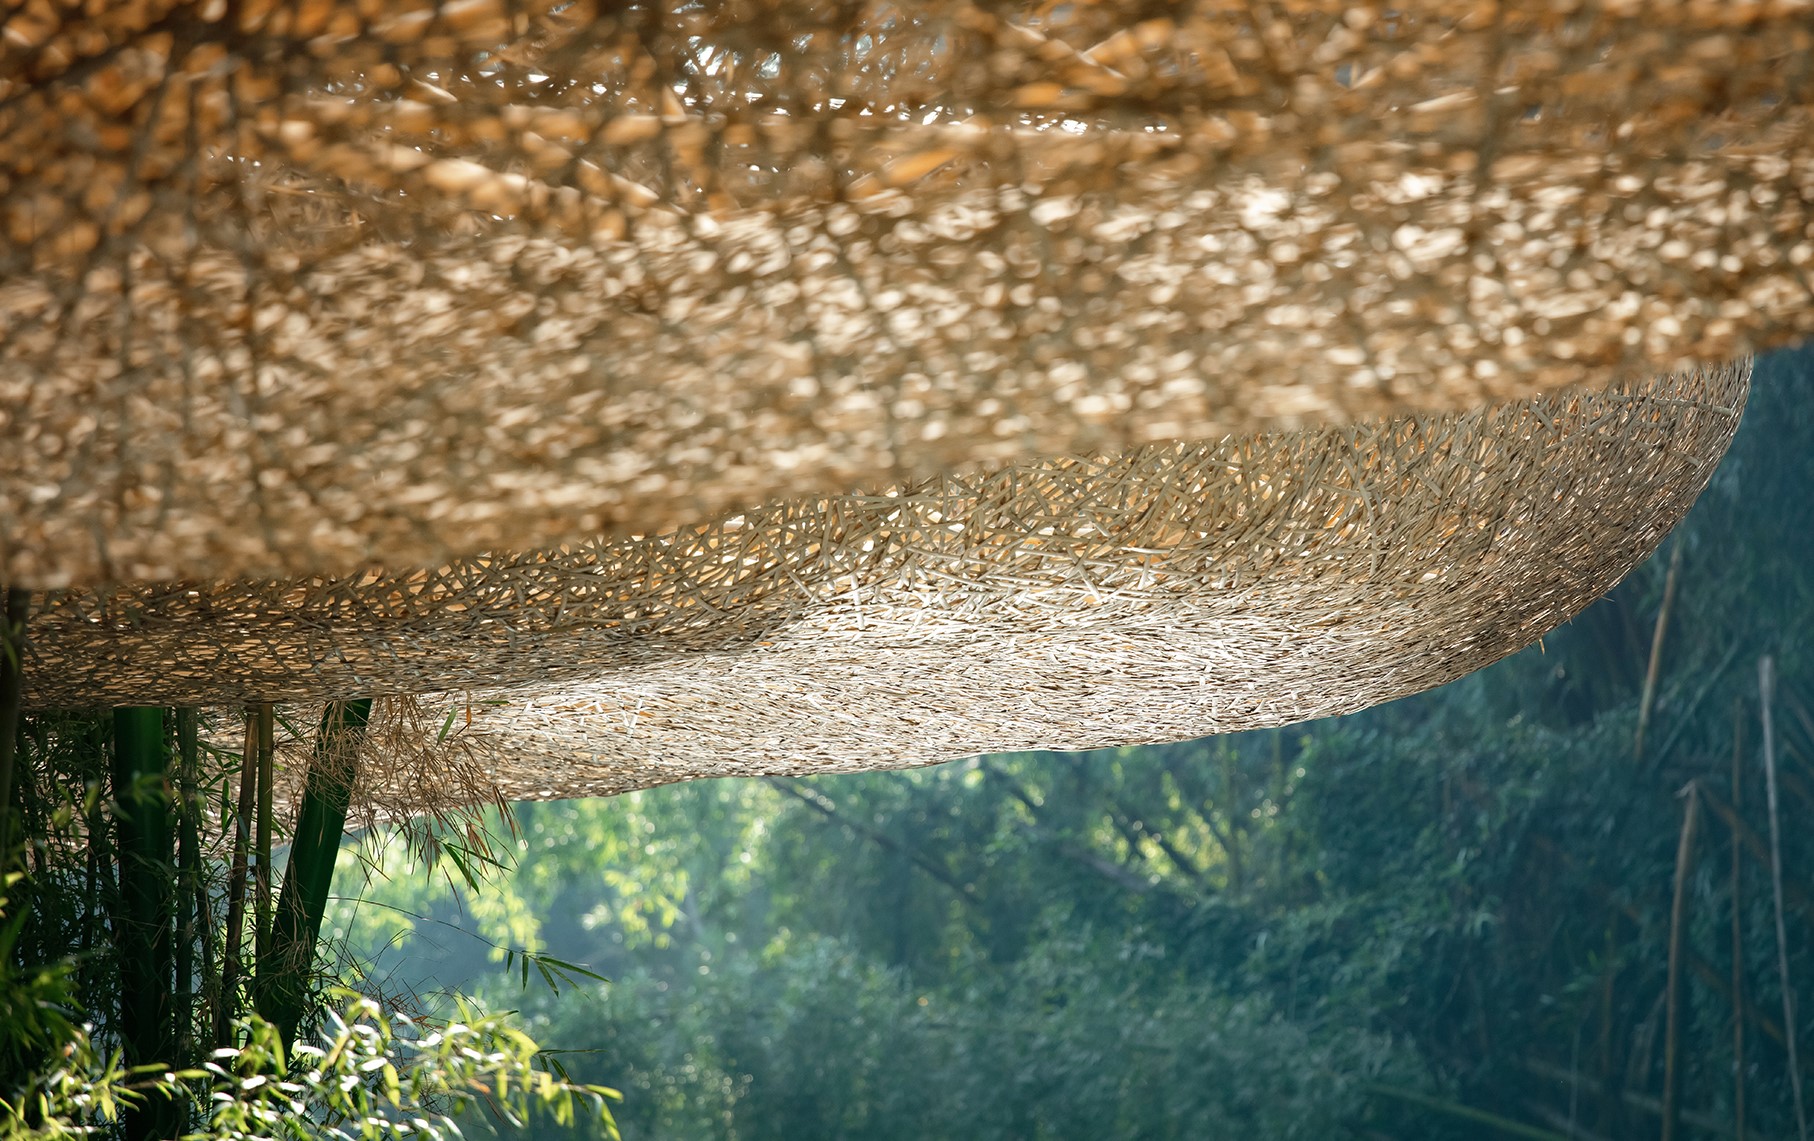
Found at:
[158, 979]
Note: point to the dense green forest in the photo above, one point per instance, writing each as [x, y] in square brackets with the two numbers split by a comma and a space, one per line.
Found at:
[1539, 902]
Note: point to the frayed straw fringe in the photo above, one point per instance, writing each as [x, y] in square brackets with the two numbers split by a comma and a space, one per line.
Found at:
[1166, 593]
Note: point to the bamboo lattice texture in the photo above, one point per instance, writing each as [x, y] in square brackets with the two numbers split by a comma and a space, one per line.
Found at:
[291, 286]
[1170, 592]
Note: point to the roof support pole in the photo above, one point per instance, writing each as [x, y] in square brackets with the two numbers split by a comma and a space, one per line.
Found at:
[281, 993]
[12, 672]
[142, 927]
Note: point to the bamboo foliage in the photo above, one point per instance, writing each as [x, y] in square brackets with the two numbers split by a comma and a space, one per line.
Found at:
[128, 793]
[1766, 850]
[141, 857]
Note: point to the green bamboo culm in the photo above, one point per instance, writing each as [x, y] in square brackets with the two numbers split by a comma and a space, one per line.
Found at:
[264, 777]
[282, 988]
[12, 675]
[142, 929]
[191, 900]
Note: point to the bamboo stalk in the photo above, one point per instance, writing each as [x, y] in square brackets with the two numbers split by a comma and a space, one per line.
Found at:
[1569, 1129]
[1738, 929]
[209, 996]
[1678, 910]
[224, 1009]
[1608, 1105]
[264, 716]
[1685, 716]
[1649, 1106]
[1704, 970]
[1654, 670]
[288, 959]
[12, 676]
[1493, 1121]
[142, 926]
[188, 865]
[914, 856]
[1794, 895]
[1766, 686]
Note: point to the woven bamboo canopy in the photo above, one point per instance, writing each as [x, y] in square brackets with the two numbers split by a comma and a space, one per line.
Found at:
[1170, 592]
[291, 286]
[859, 378]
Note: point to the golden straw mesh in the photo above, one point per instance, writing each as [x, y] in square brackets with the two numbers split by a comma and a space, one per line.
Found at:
[289, 286]
[1168, 592]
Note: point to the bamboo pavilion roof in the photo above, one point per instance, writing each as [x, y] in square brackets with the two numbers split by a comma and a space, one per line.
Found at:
[699, 388]
[1172, 591]
[288, 287]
